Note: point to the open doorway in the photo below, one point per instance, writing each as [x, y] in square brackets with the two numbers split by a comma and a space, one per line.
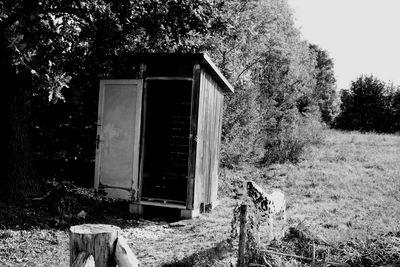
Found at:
[166, 140]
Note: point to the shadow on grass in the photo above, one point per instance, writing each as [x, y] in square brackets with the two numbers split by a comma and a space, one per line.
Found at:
[207, 257]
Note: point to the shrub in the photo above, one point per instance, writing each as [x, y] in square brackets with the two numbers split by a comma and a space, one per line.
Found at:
[240, 146]
[290, 137]
[241, 126]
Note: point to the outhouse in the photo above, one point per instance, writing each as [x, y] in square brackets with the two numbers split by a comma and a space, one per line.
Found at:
[159, 133]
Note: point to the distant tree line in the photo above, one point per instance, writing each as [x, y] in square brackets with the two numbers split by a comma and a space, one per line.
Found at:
[55, 53]
[370, 105]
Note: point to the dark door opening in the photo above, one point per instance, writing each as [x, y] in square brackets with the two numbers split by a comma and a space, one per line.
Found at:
[166, 145]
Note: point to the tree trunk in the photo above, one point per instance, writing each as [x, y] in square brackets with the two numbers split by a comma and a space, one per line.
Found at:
[19, 177]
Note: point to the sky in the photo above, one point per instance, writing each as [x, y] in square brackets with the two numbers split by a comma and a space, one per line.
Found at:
[362, 36]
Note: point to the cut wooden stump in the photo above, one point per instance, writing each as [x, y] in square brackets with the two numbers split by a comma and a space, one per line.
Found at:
[98, 240]
[124, 255]
[83, 259]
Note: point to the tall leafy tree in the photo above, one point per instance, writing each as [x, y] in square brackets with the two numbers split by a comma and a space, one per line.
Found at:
[271, 67]
[395, 111]
[363, 105]
[324, 93]
[391, 121]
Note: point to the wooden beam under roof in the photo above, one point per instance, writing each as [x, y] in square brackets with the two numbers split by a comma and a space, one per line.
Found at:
[195, 58]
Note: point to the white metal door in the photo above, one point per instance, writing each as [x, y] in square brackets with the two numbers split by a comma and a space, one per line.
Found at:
[118, 135]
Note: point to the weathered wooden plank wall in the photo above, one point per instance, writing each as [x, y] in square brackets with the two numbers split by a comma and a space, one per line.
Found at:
[208, 140]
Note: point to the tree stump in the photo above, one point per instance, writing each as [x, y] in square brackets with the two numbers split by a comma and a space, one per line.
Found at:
[97, 240]
[83, 259]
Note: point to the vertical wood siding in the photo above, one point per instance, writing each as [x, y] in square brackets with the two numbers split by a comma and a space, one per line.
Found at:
[208, 140]
[191, 196]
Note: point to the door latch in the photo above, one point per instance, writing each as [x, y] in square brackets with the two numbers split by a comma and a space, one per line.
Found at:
[97, 141]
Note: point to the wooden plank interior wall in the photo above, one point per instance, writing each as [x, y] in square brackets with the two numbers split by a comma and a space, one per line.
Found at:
[208, 140]
[198, 168]
[137, 195]
[192, 201]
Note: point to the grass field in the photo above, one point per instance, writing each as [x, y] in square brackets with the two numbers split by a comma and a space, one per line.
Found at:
[347, 187]
[344, 189]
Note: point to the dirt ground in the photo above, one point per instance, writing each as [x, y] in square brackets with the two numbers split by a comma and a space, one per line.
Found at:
[156, 242]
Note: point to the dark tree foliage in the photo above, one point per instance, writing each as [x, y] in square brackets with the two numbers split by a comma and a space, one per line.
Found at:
[55, 52]
[395, 112]
[368, 106]
[66, 135]
[324, 93]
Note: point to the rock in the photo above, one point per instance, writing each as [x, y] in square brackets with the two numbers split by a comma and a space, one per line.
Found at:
[82, 214]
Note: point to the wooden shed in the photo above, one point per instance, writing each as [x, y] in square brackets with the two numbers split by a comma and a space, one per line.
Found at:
[159, 133]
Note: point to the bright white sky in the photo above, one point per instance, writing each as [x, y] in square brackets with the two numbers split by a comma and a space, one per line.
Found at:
[362, 36]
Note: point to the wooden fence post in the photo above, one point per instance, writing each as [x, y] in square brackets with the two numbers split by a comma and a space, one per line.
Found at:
[98, 240]
[242, 235]
[313, 255]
